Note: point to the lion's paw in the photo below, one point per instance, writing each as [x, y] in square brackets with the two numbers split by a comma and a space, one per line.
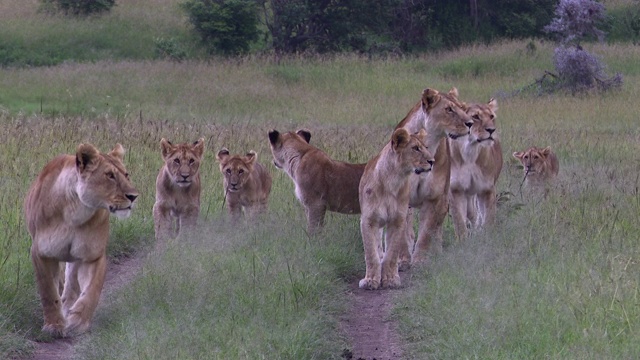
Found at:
[404, 265]
[391, 282]
[55, 330]
[369, 284]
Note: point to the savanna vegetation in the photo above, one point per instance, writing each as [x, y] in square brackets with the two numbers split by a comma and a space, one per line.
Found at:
[556, 278]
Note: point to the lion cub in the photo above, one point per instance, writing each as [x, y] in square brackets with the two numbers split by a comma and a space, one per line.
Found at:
[384, 199]
[476, 162]
[321, 183]
[67, 214]
[177, 188]
[541, 165]
[247, 183]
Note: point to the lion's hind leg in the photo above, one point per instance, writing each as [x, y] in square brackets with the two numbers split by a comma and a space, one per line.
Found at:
[48, 277]
[91, 279]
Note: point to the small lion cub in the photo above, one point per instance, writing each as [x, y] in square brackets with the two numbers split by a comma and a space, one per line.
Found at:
[177, 188]
[247, 184]
[540, 165]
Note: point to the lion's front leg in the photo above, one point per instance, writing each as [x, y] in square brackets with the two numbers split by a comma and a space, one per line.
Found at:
[431, 219]
[487, 206]
[371, 237]
[71, 288]
[390, 278]
[48, 277]
[91, 280]
[458, 209]
[404, 258]
[163, 222]
[188, 219]
[315, 217]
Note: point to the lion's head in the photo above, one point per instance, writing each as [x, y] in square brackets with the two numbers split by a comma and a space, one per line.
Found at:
[103, 181]
[411, 150]
[236, 169]
[538, 163]
[286, 146]
[182, 161]
[483, 130]
[447, 111]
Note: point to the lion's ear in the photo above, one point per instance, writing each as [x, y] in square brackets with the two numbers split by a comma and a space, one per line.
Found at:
[399, 139]
[430, 97]
[274, 137]
[251, 157]
[493, 104]
[198, 147]
[86, 157]
[453, 92]
[117, 152]
[223, 154]
[306, 134]
[166, 146]
[546, 151]
[518, 155]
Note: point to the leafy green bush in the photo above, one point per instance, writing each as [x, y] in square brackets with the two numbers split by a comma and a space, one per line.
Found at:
[224, 26]
[79, 7]
[169, 49]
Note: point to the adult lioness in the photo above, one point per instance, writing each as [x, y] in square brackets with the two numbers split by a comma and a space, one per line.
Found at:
[321, 183]
[476, 162]
[442, 115]
[67, 214]
[384, 200]
[177, 188]
[540, 165]
[247, 183]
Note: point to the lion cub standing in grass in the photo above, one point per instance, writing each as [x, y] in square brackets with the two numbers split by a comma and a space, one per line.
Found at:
[247, 184]
[384, 199]
[67, 214]
[321, 183]
[541, 165]
[476, 162]
[177, 204]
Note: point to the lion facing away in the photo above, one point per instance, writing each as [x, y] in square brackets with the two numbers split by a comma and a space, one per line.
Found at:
[476, 162]
[384, 199]
[67, 214]
[177, 205]
[247, 184]
[321, 183]
[443, 116]
[541, 165]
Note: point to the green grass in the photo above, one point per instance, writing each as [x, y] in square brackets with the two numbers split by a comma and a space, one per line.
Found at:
[555, 278]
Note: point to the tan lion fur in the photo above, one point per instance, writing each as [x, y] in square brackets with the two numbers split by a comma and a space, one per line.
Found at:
[67, 214]
[384, 199]
[321, 183]
[540, 165]
[247, 184]
[442, 115]
[177, 205]
[476, 162]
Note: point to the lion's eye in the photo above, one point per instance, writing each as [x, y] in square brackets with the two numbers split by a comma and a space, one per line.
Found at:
[229, 171]
[449, 109]
[111, 175]
[191, 161]
[492, 116]
[536, 157]
[126, 175]
[416, 148]
[526, 156]
[176, 161]
[476, 117]
[241, 171]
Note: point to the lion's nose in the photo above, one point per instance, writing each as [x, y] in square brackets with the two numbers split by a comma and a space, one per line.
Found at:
[491, 130]
[131, 197]
[469, 124]
[430, 162]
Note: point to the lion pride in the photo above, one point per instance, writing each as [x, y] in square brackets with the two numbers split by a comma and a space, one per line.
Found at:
[247, 184]
[178, 185]
[476, 162]
[67, 214]
[321, 183]
[384, 193]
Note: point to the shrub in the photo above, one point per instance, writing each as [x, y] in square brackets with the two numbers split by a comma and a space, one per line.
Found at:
[169, 49]
[79, 7]
[224, 26]
[579, 70]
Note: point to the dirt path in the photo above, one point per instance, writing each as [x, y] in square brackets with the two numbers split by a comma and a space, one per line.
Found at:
[118, 274]
[373, 336]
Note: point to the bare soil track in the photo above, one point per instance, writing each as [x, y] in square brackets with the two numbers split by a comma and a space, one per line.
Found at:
[372, 334]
